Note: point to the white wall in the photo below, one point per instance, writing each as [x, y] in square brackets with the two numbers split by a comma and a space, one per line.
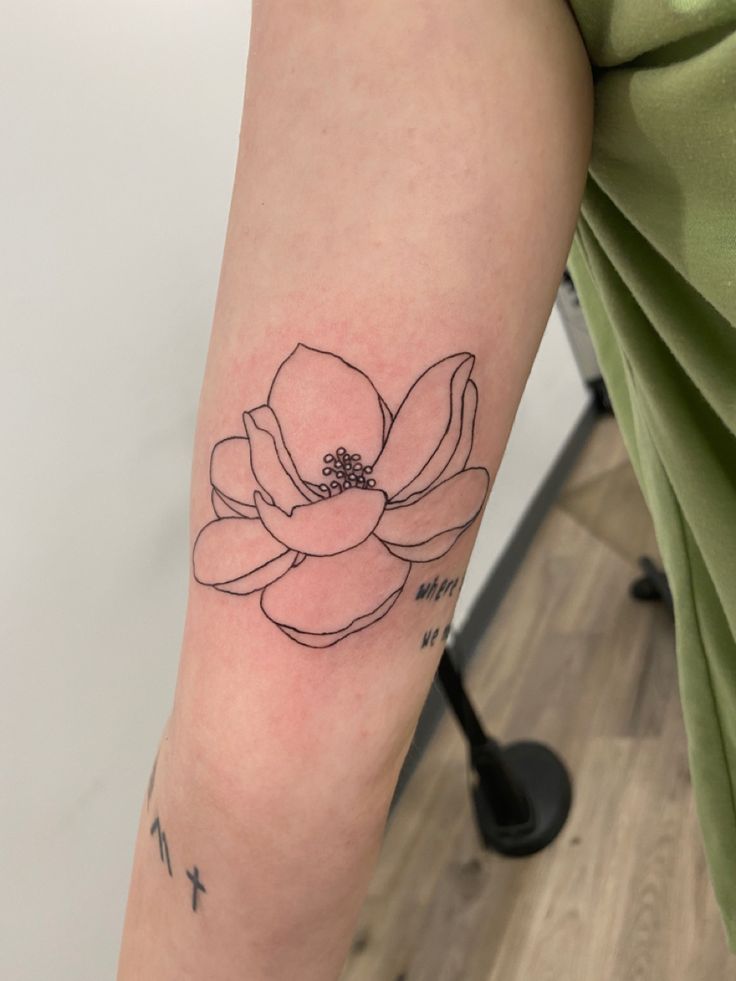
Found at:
[119, 133]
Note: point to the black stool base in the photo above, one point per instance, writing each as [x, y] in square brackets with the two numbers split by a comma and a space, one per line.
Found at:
[652, 586]
[543, 779]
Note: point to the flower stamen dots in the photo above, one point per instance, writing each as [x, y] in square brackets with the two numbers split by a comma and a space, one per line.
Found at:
[347, 471]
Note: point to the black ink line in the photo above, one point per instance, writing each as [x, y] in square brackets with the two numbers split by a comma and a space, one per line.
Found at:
[343, 632]
[465, 355]
[453, 466]
[298, 507]
[347, 364]
[197, 886]
[407, 502]
[151, 781]
[458, 528]
[406, 552]
[461, 354]
[223, 586]
[294, 477]
[446, 434]
[163, 845]
[416, 498]
[427, 541]
[246, 449]
[227, 582]
[246, 510]
[314, 489]
[363, 616]
[388, 419]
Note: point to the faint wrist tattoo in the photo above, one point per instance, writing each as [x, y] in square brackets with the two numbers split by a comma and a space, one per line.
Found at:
[329, 497]
[156, 830]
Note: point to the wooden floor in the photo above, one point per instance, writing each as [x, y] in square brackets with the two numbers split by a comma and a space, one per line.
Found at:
[572, 660]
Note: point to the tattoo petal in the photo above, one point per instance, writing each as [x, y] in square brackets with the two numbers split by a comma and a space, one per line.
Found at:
[332, 525]
[426, 428]
[228, 549]
[462, 451]
[327, 640]
[265, 418]
[268, 469]
[230, 470]
[387, 419]
[225, 507]
[433, 548]
[322, 402]
[449, 506]
[260, 578]
[465, 444]
[329, 597]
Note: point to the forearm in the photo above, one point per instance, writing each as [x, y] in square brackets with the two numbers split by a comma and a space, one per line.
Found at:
[405, 194]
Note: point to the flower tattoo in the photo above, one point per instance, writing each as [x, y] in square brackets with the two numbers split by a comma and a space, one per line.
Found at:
[326, 501]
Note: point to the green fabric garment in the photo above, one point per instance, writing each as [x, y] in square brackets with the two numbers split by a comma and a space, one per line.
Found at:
[654, 263]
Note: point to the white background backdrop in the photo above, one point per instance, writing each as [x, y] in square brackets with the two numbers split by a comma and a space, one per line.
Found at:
[119, 134]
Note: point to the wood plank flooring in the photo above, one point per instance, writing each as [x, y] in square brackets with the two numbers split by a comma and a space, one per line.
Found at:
[623, 894]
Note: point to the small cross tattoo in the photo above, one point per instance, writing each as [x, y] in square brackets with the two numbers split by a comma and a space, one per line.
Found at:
[197, 886]
[163, 845]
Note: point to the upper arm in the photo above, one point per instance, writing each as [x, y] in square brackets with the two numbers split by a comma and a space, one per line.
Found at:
[408, 181]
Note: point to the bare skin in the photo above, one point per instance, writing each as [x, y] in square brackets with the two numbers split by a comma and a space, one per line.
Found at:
[406, 191]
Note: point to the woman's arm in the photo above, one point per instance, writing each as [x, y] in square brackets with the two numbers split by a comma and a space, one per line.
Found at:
[407, 185]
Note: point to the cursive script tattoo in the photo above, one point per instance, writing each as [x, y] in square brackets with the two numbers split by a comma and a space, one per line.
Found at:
[329, 498]
[437, 588]
[432, 635]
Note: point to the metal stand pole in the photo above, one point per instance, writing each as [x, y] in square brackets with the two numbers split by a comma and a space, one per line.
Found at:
[521, 792]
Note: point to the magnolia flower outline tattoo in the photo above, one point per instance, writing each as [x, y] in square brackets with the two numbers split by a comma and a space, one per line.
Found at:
[329, 497]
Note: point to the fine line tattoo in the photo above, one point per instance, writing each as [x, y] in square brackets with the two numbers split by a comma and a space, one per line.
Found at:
[197, 886]
[329, 497]
[163, 845]
[432, 635]
[165, 856]
[151, 782]
[438, 588]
